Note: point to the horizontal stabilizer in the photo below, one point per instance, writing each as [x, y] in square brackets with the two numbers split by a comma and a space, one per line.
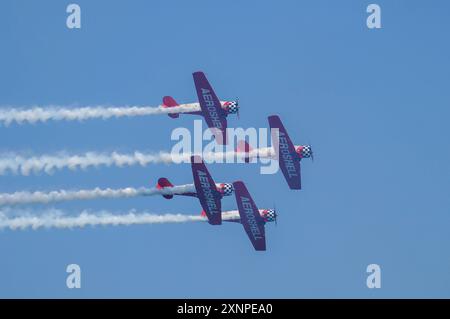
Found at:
[163, 183]
[244, 147]
[169, 101]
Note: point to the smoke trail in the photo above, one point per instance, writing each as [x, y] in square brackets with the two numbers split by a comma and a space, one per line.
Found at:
[55, 219]
[18, 164]
[86, 194]
[43, 114]
[49, 163]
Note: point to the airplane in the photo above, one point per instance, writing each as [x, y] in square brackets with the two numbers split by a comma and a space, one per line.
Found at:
[252, 218]
[288, 156]
[205, 189]
[212, 109]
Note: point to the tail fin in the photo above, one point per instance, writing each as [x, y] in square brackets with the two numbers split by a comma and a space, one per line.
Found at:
[163, 183]
[169, 101]
[244, 147]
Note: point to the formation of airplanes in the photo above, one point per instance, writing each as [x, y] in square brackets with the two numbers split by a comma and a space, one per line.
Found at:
[210, 196]
[209, 193]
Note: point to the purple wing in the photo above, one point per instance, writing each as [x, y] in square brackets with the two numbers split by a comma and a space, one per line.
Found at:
[285, 152]
[250, 217]
[206, 191]
[211, 108]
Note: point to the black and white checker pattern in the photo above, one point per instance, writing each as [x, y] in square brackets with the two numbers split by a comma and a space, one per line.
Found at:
[270, 215]
[306, 151]
[227, 189]
[232, 107]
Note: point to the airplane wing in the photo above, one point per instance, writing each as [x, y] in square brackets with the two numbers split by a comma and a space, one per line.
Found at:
[285, 152]
[206, 191]
[250, 217]
[211, 108]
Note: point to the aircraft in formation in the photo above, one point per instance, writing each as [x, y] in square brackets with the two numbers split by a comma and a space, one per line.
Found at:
[210, 195]
[215, 113]
[208, 192]
[287, 154]
[212, 109]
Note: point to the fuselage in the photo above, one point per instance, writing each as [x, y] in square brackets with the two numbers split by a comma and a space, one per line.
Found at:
[268, 215]
[302, 151]
[229, 107]
[224, 189]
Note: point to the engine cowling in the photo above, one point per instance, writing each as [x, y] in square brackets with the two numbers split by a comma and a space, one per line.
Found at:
[231, 107]
[304, 151]
[226, 189]
[269, 215]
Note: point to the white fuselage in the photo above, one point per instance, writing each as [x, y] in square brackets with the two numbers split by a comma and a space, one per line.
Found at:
[233, 215]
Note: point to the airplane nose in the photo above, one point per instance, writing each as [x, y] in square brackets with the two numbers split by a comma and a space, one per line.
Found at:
[311, 152]
[237, 108]
[306, 151]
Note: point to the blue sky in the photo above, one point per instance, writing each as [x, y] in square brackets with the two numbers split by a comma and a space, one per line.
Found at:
[374, 104]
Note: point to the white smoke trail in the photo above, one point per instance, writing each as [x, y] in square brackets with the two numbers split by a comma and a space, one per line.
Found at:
[49, 163]
[36, 114]
[55, 219]
[86, 194]
[18, 164]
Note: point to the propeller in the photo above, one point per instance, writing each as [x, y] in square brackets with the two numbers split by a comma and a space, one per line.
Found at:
[312, 153]
[275, 214]
[237, 105]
